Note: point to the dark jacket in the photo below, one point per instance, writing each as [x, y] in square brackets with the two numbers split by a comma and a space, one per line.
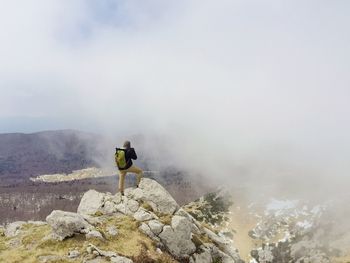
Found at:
[130, 155]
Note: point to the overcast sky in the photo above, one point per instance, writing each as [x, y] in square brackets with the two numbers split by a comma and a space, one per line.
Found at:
[251, 77]
[89, 64]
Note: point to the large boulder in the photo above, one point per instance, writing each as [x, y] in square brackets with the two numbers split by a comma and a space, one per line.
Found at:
[149, 191]
[156, 196]
[66, 224]
[177, 237]
[91, 202]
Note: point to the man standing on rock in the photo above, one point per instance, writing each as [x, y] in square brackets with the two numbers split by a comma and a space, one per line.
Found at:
[123, 159]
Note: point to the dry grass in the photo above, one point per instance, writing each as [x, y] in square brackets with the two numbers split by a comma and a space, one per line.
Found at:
[32, 245]
[2, 244]
[128, 239]
[98, 213]
[146, 206]
[146, 257]
[2, 240]
[32, 242]
[199, 240]
[165, 218]
[143, 256]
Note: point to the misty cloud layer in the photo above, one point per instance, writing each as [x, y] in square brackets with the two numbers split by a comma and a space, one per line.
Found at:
[240, 90]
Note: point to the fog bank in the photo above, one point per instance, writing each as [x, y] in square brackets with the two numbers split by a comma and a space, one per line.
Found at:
[241, 92]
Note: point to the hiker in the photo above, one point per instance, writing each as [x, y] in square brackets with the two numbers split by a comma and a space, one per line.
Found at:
[123, 159]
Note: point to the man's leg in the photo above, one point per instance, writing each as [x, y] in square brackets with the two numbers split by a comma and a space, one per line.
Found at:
[138, 171]
[121, 181]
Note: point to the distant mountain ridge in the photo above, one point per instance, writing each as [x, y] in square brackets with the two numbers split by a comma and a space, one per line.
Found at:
[25, 155]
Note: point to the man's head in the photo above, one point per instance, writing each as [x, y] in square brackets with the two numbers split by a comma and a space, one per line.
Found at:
[127, 145]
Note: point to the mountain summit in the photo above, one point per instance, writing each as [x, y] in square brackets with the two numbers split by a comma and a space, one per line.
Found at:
[145, 225]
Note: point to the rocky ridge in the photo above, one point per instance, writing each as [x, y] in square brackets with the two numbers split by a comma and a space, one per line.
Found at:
[145, 225]
[292, 233]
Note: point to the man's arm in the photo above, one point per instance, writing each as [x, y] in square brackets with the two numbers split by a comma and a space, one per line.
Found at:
[133, 154]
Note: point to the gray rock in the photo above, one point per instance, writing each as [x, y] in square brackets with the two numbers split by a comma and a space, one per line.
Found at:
[202, 257]
[224, 243]
[231, 251]
[220, 241]
[134, 193]
[142, 215]
[91, 202]
[265, 255]
[94, 234]
[177, 238]
[92, 220]
[146, 230]
[227, 259]
[133, 205]
[159, 199]
[96, 260]
[155, 226]
[308, 251]
[117, 198]
[109, 208]
[13, 229]
[120, 259]
[195, 228]
[66, 224]
[217, 254]
[123, 207]
[92, 249]
[182, 212]
[73, 254]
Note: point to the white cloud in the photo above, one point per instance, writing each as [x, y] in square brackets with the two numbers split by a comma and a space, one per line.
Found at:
[265, 83]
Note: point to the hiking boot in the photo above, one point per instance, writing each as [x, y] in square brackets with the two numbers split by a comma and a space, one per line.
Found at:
[122, 193]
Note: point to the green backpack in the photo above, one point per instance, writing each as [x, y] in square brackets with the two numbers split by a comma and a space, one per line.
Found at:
[120, 158]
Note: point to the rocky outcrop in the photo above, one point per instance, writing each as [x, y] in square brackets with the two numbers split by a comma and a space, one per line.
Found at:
[149, 192]
[91, 202]
[192, 233]
[177, 237]
[147, 204]
[66, 224]
[304, 239]
[158, 198]
[155, 217]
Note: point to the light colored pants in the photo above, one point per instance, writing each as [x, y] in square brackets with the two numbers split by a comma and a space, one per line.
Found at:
[122, 173]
